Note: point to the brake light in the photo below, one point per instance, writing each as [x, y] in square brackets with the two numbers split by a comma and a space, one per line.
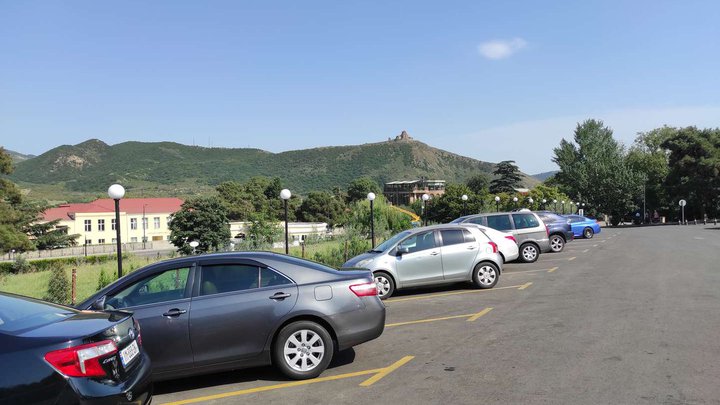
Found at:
[83, 360]
[512, 238]
[494, 246]
[365, 289]
[137, 329]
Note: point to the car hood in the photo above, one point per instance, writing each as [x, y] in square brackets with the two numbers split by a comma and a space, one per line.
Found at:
[352, 263]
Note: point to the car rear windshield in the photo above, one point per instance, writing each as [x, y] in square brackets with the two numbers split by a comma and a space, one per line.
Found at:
[18, 313]
[548, 217]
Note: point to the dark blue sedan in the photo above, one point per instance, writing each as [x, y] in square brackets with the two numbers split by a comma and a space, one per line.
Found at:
[583, 226]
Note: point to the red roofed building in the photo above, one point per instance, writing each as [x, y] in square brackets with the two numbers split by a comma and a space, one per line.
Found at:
[95, 221]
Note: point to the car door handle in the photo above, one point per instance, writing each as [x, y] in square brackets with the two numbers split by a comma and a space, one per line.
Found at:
[279, 296]
[434, 253]
[174, 312]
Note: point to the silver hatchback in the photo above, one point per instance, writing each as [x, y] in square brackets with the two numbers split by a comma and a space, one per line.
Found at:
[432, 255]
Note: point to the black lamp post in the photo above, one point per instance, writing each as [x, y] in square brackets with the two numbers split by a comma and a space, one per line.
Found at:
[544, 201]
[555, 201]
[464, 200]
[116, 192]
[425, 198]
[497, 203]
[515, 200]
[530, 202]
[563, 206]
[285, 195]
[371, 198]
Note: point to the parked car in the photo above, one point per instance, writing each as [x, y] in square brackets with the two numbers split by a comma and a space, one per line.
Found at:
[559, 230]
[507, 245]
[583, 226]
[225, 311]
[528, 229]
[432, 255]
[53, 354]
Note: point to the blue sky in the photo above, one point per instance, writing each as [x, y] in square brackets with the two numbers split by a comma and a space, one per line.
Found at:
[492, 80]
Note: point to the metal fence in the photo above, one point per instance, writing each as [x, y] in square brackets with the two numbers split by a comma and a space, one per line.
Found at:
[87, 250]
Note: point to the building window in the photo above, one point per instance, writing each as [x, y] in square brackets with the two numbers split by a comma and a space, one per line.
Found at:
[88, 225]
[133, 223]
[101, 241]
[133, 239]
[157, 222]
[112, 224]
[88, 241]
[145, 223]
[101, 224]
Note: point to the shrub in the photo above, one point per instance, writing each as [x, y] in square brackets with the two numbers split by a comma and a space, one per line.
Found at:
[21, 265]
[105, 279]
[58, 287]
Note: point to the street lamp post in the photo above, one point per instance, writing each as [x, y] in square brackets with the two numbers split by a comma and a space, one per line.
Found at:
[563, 206]
[371, 198]
[544, 201]
[497, 203]
[116, 192]
[530, 201]
[572, 211]
[285, 195]
[194, 244]
[555, 201]
[515, 200]
[464, 200]
[425, 198]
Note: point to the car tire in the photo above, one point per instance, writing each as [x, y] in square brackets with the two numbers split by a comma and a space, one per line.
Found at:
[529, 253]
[588, 233]
[557, 243]
[303, 350]
[385, 284]
[486, 275]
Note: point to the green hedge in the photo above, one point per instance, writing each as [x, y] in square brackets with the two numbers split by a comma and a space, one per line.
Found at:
[49, 264]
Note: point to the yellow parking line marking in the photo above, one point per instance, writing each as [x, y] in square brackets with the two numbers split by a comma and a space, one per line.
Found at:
[379, 373]
[586, 250]
[555, 260]
[444, 318]
[595, 245]
[524, 286]
[507, 272]
[572, 258]
[385, 371]
[479, 314]
[553, 269]
[422, 297]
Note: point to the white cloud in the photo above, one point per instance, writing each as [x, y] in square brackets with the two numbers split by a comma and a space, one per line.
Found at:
[500, 48]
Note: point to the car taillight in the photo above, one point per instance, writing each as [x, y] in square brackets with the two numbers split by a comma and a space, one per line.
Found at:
[137, 329]
[365, 289]
[494, 246]
[512, 238]
[83, 360]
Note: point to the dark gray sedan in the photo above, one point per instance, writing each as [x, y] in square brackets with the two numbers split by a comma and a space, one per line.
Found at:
[202, 314]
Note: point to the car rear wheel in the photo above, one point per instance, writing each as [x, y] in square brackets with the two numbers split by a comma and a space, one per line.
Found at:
[303, 350]
[486, 275]
[557, 243]
[385, 284]
[529, 253]
[588, 233]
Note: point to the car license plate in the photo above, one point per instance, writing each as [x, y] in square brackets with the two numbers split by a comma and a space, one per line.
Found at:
[129, 353]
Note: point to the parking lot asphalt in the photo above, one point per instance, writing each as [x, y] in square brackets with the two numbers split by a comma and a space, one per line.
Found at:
[631, 316]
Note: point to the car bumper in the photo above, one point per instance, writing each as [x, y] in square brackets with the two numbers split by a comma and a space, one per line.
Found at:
[136, 390]
[356, 327]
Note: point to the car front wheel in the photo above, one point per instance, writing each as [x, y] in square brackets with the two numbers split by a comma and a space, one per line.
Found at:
[303, 350]
[588, 233]
[486, 275]
[557, 243]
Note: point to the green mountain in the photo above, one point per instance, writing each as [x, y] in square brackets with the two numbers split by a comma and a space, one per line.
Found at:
[172, 168]
[17, 156]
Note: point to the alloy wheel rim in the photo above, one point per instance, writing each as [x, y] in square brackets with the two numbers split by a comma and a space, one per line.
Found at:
[304, 350]
[529, 253]
[486, 275]
[383, 285]
[556, 243]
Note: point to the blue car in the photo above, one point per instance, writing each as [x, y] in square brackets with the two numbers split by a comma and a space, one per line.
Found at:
[582, 226]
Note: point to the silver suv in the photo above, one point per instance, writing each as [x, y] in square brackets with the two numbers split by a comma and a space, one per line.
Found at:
[431, 255]
[527, 228]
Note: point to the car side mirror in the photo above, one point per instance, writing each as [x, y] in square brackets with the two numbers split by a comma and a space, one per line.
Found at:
[99, 304]
[401, 250]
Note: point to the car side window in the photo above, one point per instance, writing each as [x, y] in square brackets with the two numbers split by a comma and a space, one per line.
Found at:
[221, 278]
[477, 220]
[499, 222]
[575, 219]
[271, 278]
[452, 237]
[418, 242]
[468, 236]
[524, 221]
[168, 285]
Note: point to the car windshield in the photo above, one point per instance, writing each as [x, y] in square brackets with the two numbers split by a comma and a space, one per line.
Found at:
[391, 242]
[20, 313]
